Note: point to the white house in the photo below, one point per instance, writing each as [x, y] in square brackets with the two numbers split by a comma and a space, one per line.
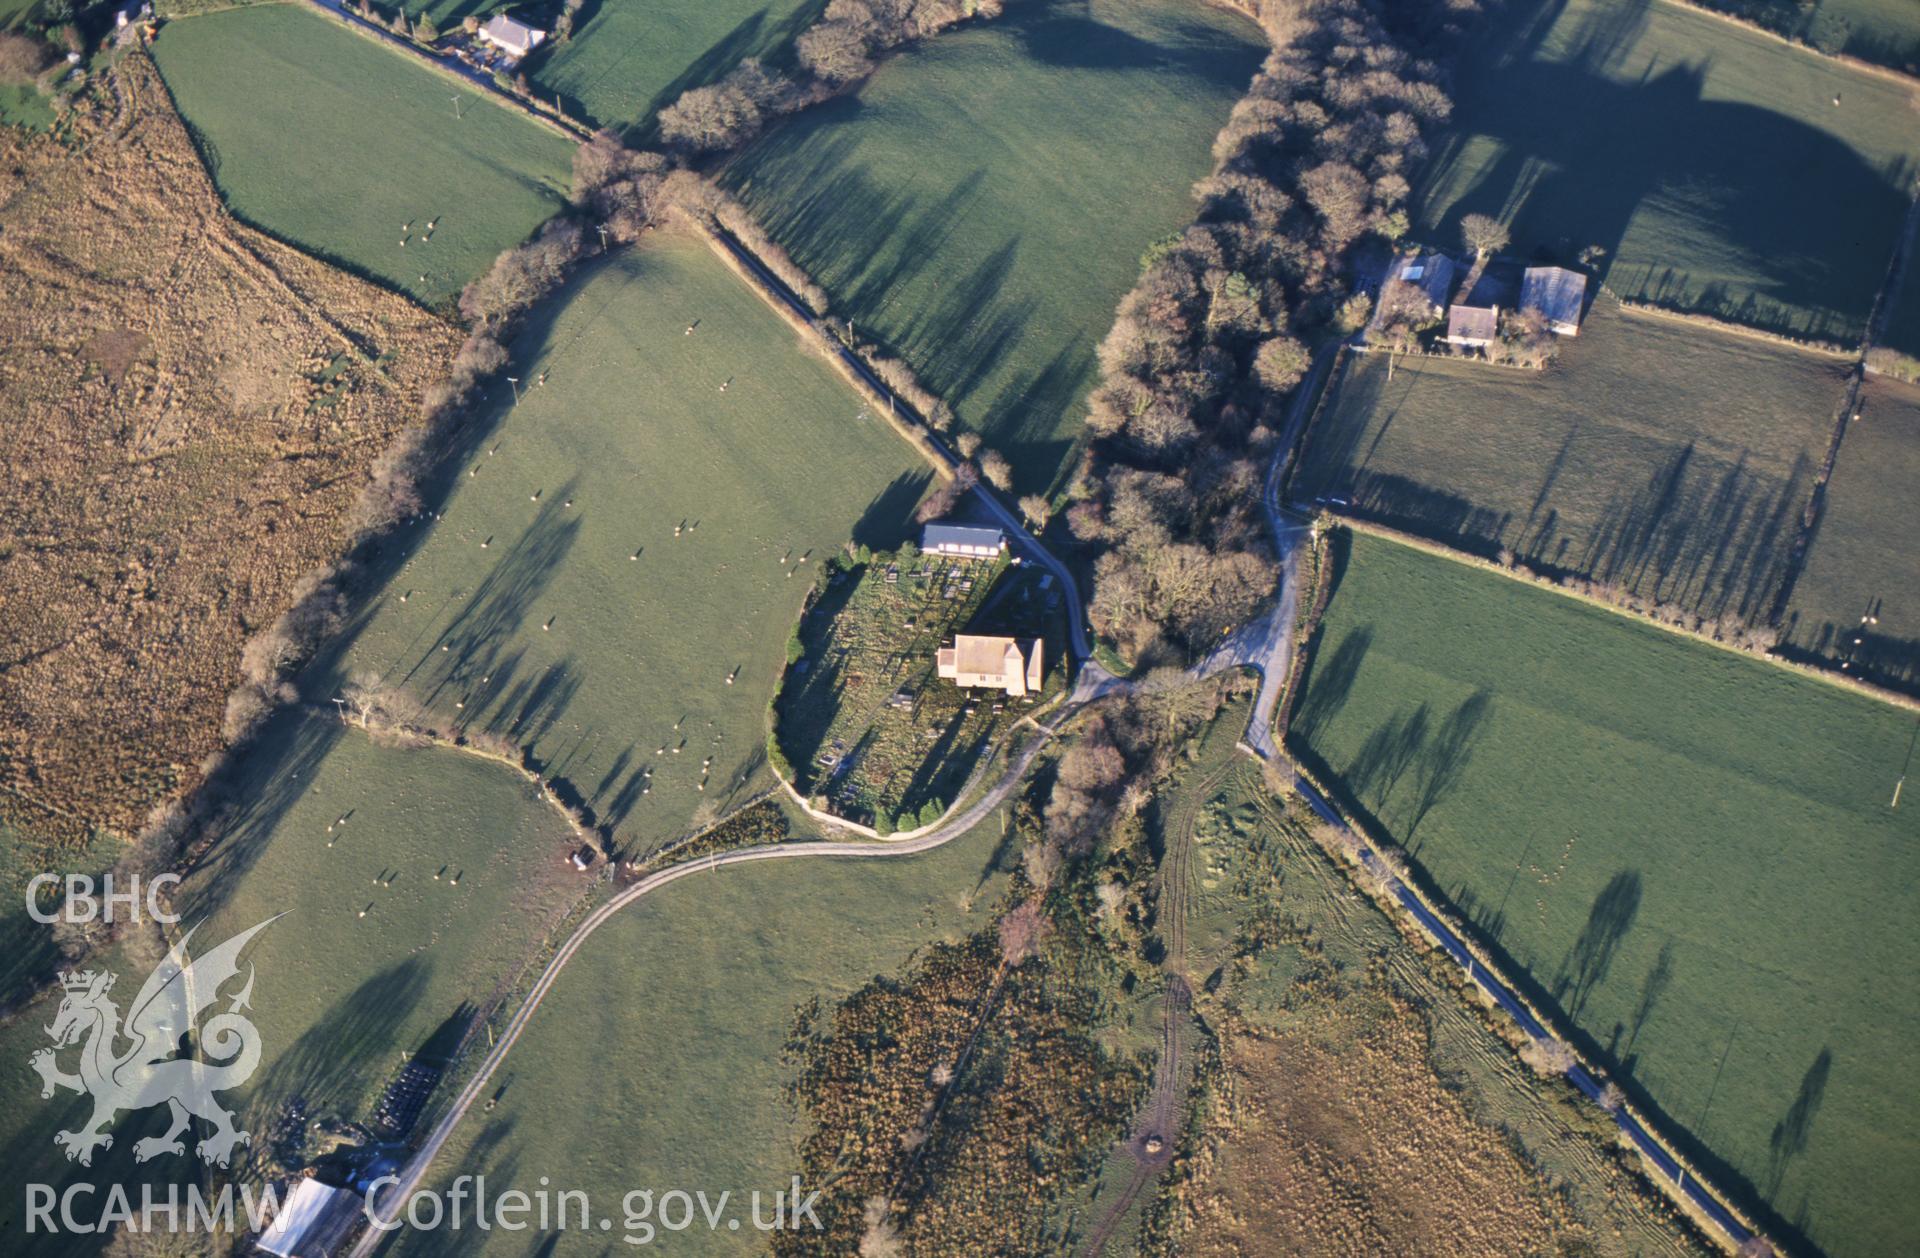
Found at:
[993, 663]
[515, 39]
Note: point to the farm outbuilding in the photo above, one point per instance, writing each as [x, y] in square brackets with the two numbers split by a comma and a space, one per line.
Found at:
[312, 1222]
[515, 39]
[1558, 294]
[1431, 273]
[963, 541]
[993, 663]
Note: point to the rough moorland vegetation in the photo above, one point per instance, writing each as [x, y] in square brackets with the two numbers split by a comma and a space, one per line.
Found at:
[1208, 346]
[191, 411]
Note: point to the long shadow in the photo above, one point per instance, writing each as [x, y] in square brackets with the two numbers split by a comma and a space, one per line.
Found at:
[1587, 962]
[1790, 1134]
[337, 1066]
[1443, 762]
[888, 519]
[1577, 173]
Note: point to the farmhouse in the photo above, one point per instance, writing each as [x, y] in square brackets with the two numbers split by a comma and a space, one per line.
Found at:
[1472, 326]
[961, 541]
[312, 1222]
[994, 663]
[1558, 294]
[1474, 320]
[515, 39]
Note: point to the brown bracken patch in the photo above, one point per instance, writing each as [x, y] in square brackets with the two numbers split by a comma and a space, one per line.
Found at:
[191, 409]
[1341, 1140]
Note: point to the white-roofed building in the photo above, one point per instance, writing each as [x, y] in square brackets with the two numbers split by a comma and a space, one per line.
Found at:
[312, 1222]
[516, 39]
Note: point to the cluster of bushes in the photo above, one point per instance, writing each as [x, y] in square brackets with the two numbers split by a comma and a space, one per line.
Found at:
[756, 825]
[38, 59]
[1207, 347]
[835, 51]
[952, 1108]
[1891, 362]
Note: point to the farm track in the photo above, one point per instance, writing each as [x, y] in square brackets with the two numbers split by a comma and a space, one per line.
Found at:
[1161, 1114]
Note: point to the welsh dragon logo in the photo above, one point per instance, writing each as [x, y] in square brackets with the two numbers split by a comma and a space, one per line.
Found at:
[153, 1070]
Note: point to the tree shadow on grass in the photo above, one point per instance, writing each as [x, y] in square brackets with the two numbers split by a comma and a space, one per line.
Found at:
[1586, 964]
[1575, 168]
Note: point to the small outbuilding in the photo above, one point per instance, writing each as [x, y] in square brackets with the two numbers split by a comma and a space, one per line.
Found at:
[313, 1221]
[583, 858]
[963, 541]
[1431, 273]
[515, 39]
[1558, 294]
[992, 663]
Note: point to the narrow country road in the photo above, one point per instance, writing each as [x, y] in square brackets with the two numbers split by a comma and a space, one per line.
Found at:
[392, 1200]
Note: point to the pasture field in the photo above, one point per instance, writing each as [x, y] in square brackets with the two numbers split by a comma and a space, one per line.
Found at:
[628, 60]
[1902, 331]
[1668, 458]
[1710, 162]
[981, 204]
[1343, 1049]
[334, 143]
[864, 716]
[657, 1058]
[338, 998]
[1885, 31]
[1688, 851]
[24, 107]
[612, 578]
[1865, 556]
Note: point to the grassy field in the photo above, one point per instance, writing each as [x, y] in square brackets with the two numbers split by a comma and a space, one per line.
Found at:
[461, 870]
[1669, 871]
[1902, 331]
[627, 61]
[870, 639]
[1886, 31]
[1342, 1050]
[606, 582]
[334, 143]
[980, 206]
[1710, 162]
[1865, 557]
[1668, 458]
[657, 1059]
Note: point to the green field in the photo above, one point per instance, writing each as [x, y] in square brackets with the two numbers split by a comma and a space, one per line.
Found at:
[338, 998]
[981, 205]
[1902, 330]
[525, 601]
[656, 1060]
[1690, 852]
[629, 60]
[24, 107]
[1709, 161]
[333, 143]
[1865, 557]
[1671, 459]
[1886, 31]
